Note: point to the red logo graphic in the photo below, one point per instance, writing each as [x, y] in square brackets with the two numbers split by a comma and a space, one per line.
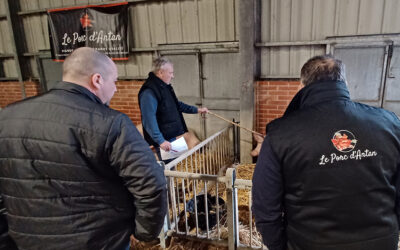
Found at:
[344, 141]
[86, 21]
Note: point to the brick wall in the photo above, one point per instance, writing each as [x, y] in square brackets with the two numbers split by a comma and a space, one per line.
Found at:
[125, 99]
[11, 91]
[272, 99]
[32, 89]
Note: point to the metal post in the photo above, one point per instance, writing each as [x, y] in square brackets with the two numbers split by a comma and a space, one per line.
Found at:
[17, 39]
[236, 141]
[232, 217]
[249, 27]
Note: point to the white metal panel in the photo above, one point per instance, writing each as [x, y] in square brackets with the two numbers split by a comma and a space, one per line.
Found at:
[294, 20]
[279, 61]
[190, 21]
[364, 69]
[68, 2]
[131, 66]
[37, 32]
[56, 3]
[34, 67]
[137, 66]
[45, 32]
[29, 40]
[44, 4]
[139, 21]
[291, 61]
[186, 81]
[281, 16]
[371, 16]
[220, 79]
[214, 124]
[23, 4]
[7, 43]
[280, 28]
[145, 63]
[391, 17]
[266, 16]
[225, 20]
[2, 7]
[236, 16]
[2, 49]
[309, 20]
[4, 41]
[298, 56]
[207, 20]
[347, 17]
[323, 19]
[121, 66]
[265, 62]
[301, 20]
[9, 68]
[157, 23]
[173, 24]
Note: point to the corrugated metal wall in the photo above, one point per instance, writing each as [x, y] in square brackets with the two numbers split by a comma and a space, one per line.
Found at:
[152, 23]
[7, 67]
[156, 23]
[313, 20]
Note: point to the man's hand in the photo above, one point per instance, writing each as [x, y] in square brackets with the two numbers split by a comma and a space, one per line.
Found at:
[166, 146]
[203, 110]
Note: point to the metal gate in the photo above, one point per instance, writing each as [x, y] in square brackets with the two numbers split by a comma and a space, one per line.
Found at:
[203, 194]
[372, 71]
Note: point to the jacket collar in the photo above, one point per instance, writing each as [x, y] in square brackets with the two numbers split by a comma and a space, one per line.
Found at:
[318, 92]
[154, 78]
[77, 89]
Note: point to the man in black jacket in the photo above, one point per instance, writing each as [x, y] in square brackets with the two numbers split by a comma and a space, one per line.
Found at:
[327, 177]
[161, 110]
[75, 174]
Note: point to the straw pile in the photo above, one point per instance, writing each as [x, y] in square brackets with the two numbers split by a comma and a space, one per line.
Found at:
[244, 172]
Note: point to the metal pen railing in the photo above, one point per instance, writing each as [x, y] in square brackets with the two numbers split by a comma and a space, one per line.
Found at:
[209, 156]
[203, 194]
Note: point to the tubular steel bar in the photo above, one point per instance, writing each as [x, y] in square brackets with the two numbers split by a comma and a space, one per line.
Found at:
[209, 150]
[232, 219]
[208, 161]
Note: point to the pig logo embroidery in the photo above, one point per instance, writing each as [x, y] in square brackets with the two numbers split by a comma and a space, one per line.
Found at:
[344, 141]
[86, 21]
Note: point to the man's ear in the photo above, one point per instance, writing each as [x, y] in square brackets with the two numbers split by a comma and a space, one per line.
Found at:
[96, 81]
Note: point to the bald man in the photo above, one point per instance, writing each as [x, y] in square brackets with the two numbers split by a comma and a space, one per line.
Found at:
[75, 174]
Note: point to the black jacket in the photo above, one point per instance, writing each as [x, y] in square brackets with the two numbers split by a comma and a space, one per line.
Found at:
[169, 118]
[338, 166]
[75, 174]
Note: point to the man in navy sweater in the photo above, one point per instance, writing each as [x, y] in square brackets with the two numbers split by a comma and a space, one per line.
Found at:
[327, 176]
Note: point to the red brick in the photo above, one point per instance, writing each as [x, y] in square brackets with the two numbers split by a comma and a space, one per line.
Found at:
[279, 83]
[287, 88]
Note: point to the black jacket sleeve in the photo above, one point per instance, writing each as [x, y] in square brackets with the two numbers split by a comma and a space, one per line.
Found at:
[135, 163]
[267, 193]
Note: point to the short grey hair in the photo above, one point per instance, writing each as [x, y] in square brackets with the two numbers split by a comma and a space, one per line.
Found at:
[322, 68]
[159, 63]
